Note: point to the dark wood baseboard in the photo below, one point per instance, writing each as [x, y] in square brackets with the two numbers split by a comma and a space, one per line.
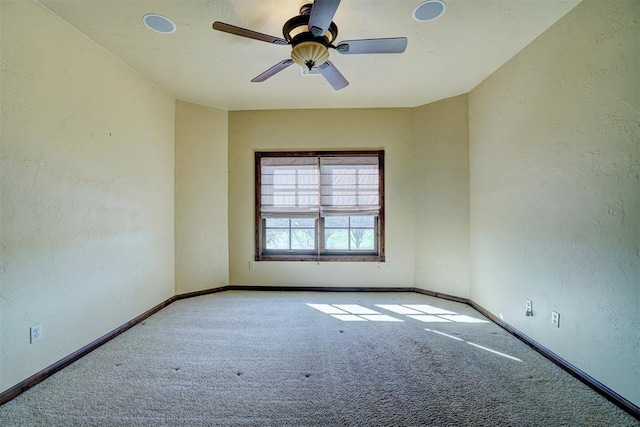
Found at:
[577, 373]
[23, 386]
[440, 295]
[596, 385]
[203, 292]
[316, 289]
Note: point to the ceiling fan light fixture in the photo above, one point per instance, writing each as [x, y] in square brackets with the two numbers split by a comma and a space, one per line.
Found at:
[429, 10]
[309, 54]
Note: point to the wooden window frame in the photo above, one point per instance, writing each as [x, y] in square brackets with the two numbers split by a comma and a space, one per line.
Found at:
[321, 255]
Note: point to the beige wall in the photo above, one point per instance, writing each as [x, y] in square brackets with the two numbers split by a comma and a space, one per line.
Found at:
[555, 189]
[545, 153]
[202, 254]
[388, 129]
[2, 267]
[86, 191]
[441, 177]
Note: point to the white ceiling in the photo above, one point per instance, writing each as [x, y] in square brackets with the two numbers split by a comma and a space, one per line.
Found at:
[444, 58]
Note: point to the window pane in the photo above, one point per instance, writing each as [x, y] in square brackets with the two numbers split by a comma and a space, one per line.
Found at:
[336, 239]
[303, 222]
[277, 238]
[303, 238]
[277, 222]
[362, 221]
[336, 221]
[362, 239]
[302, 194]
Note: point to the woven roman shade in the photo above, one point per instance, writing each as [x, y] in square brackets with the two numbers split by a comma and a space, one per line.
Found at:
[349, 186]
[289, 186]
[311, 186]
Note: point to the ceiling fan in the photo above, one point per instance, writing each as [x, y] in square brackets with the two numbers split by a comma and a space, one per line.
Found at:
[311, 34]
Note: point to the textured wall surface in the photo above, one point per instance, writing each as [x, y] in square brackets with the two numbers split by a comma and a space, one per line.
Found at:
[2, 266]
[555, 184]
[202, 255]
[86, 200]
[441, 167]
[388, 129]
[88, 239]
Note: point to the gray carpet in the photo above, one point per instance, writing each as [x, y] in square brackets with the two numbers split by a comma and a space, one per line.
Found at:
[269, 359]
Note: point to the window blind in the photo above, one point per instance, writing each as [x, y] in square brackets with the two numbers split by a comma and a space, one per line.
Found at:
[349, 186]
[318, 185]
[289, 185]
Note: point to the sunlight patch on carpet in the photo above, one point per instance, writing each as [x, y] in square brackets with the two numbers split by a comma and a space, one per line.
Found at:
[462, 318]
[355, 309]
[421, 312]
[474, 344]
[429, 313]
[397, 308]
[428, 318]
[429, 309]
[348, 317]
[494, 352]
[353, 313]
[327, 308]
[446, 335]
[380, 318]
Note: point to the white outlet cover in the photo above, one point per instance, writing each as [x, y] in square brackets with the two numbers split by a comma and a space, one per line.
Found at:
[555, 318]
[35, 333]
[529, 305]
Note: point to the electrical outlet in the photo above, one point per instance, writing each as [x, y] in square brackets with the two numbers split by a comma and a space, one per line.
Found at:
[252, 265]
[555, 319]
[529, 308]
[35, 332]
[387, 266]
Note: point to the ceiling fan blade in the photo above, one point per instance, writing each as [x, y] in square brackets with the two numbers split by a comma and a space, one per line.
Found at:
[322, 13]
[243, 32]
[273, 70]
[389, 45]
[333, 76]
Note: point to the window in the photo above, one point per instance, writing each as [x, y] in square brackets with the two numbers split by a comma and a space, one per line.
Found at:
[320, 206]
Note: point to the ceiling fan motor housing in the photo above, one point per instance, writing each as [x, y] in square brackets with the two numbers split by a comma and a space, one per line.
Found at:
[308, 50]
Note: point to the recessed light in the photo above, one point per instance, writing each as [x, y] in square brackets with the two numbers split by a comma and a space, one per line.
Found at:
[158, 23]
[429, 10]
